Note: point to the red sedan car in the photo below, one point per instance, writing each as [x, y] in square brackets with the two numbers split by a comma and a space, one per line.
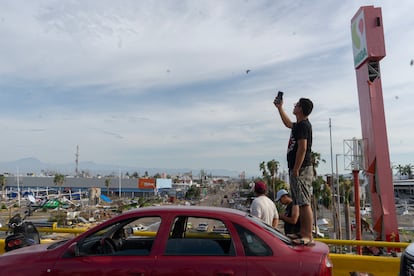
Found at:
[164, 241]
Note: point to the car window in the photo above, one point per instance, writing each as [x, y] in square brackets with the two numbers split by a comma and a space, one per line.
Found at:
[129, 237]
[194, 236]
[252, 244]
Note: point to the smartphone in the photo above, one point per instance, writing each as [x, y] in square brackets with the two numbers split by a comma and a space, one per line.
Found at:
[279, 97]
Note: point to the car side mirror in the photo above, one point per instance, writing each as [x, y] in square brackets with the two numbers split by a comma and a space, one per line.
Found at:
[129, 231]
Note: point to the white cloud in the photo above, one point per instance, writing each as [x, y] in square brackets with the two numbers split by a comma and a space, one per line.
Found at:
[147, 83]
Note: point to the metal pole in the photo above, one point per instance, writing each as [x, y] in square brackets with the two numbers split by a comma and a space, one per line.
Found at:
[18, 187]
[119, 183]
[334, 214]
[339, 199]
[357, 209]
[273, 184]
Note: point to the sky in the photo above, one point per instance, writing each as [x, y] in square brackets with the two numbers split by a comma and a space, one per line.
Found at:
[190, 84]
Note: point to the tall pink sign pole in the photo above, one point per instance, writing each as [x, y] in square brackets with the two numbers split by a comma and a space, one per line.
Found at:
[369, 48]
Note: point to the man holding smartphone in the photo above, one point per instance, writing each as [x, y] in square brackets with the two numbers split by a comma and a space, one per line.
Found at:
[300, 165]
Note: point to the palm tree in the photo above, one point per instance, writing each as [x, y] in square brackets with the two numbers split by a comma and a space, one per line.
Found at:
[400, 169]
[326, 196]
[59, 179]
[346, 187]
[317, 184]
[107, 184]
[316, 159]
[269, 171]
[316, 195]
[273, 167]
[408, 170]
[262, 168]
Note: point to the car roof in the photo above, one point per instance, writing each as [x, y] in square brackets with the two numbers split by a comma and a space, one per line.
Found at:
[188, 210]
[174, 211]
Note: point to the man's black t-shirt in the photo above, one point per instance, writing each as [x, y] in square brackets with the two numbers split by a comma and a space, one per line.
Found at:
[301, 130]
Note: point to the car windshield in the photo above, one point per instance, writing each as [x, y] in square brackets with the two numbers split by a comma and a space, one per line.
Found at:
[56, 244]
[272, 230]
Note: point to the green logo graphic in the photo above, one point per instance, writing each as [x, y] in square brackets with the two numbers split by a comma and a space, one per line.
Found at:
[355, 36]
[359, 41]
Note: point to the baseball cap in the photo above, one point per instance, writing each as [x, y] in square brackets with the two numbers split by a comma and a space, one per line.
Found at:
[260, 187]
[281, 193]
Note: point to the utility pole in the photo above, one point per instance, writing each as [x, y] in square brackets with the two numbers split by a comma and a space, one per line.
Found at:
[338, 198]
[120, 184]
[334, 209]
[77, 161]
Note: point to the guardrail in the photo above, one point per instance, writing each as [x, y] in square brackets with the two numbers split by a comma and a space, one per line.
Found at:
[54, 229]
[343, 264]
[365, 243]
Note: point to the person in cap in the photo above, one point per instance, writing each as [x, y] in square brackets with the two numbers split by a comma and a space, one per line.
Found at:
[263, 207]
[299, 158]
[291, 215]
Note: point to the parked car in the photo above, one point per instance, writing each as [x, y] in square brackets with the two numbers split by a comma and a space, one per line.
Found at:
[202, 227]
[169, 247]
[220, 229]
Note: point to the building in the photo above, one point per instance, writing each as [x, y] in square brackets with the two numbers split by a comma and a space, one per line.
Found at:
[124, 187]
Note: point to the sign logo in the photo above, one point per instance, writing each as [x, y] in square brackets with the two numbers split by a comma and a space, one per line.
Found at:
[146, 183]
[359, 40]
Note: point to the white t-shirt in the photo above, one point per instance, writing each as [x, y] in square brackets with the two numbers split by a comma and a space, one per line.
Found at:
[264, 208]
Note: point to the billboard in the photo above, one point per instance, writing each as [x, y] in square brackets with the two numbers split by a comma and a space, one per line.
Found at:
[359, 40]
[146, 183]
[367, 35]
[164, 183]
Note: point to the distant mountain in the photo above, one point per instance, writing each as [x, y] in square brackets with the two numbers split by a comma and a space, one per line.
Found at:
[33, 165]
[25, 165]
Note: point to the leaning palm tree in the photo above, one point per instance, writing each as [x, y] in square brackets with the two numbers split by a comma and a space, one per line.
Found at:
[3, 181]
[107, 184]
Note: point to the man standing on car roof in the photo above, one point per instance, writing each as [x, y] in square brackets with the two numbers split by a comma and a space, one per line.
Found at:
[263, 207]
[300, 164]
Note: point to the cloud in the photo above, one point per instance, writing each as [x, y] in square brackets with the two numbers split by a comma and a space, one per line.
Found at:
[154, 83]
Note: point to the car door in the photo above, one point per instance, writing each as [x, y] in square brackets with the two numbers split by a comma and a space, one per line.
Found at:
[262, 260]
[191, 252]
[123, 248]
[104, 265]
